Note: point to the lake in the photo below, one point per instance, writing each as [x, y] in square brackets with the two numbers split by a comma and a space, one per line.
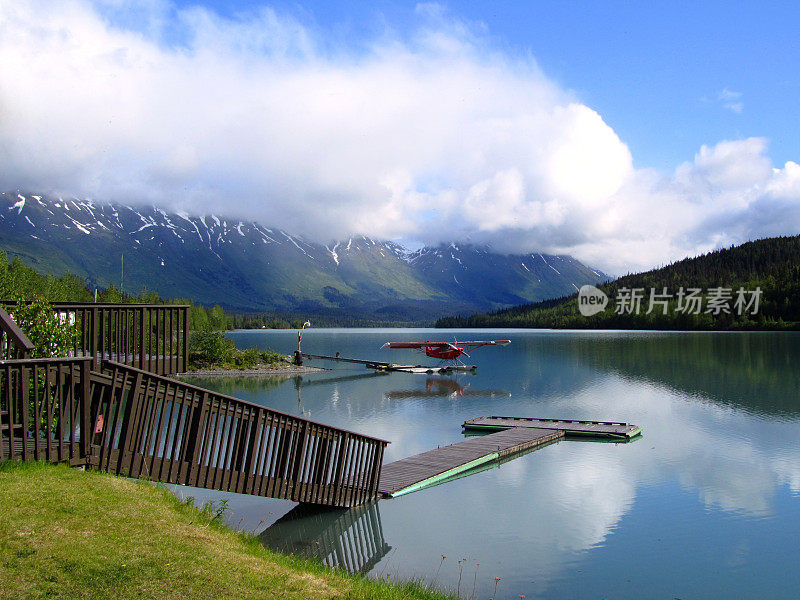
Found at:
[706, 504]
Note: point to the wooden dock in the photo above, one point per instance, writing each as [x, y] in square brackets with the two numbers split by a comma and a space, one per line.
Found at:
[426, 469]
[386, 366]
[568, 426]
[512, 435]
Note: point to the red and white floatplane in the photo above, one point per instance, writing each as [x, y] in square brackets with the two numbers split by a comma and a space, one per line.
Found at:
[449, 353]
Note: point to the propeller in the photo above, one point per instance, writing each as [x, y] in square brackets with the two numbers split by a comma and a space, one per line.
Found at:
[455, 347]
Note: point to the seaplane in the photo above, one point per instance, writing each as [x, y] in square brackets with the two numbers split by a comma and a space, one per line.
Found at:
[447, 351]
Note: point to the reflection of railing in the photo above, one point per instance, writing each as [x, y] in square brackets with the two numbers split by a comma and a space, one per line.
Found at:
[152, 337]
[150, 426]
[43, 415]
[13, 341]
[347, 539]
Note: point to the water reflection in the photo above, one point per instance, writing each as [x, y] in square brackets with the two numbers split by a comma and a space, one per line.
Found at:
[349, 539]
[443, 387]
[755, 372]
[708, 497]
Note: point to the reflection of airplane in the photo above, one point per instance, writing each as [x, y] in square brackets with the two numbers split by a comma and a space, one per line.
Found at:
[350, 539]
[446, 350]
[444, 387]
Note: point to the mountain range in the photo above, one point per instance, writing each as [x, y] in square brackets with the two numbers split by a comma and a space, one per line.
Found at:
[248, 266]
[755, 285]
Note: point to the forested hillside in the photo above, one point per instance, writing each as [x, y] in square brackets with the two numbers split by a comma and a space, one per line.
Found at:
[19, 282]
[770, 265]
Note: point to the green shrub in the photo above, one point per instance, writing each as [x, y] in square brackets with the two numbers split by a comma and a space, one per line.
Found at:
[210, 347]
[50, 333]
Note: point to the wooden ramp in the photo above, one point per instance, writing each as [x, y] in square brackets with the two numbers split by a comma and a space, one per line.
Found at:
[426, 469]
[569, 427]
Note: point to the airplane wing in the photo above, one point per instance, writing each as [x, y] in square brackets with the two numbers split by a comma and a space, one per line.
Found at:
[478, 344]
[415, 345]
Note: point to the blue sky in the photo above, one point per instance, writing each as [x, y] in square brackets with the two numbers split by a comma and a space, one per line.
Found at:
[625, 134]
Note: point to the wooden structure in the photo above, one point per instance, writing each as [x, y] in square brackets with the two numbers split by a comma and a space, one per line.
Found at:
[424, 470]
[512, 435]
[569, 427]
[108, 415]
[152, 337]
[13, 341]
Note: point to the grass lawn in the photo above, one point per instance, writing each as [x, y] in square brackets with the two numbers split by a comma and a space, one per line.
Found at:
[74, 534]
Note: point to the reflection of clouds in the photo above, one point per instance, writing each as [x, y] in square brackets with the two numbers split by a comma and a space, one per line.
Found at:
[580, 493]
[595, 492]
[787, 467]
[546, 515]
[713, 449]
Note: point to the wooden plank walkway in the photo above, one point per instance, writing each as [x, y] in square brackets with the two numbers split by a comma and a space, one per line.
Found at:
[570, 427]
[420, 471]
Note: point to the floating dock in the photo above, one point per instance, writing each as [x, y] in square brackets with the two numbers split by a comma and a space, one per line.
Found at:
[512, 435]
[385, 366]
[570, 427]
[426, 469]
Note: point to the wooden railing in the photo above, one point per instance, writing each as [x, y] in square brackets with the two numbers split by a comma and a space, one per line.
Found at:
[131, 422]
[44, 412]
[13, 341]
[152, 337]
[150, 426]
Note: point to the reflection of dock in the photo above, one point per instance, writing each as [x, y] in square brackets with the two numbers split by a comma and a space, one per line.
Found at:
[348, 539]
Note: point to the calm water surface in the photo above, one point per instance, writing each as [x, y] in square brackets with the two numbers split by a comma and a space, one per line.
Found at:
[705, 505]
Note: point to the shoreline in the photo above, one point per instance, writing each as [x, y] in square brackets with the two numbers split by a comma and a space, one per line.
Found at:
[272, 371]
[112, 537]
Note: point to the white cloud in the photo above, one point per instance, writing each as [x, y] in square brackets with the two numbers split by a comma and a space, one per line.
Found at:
[433, 135]
[731, 100]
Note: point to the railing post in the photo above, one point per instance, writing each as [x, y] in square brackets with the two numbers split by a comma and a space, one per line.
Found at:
[128, 426]
[86, 410]
[377, 464]
[141, 337]
[94, 337]
[195, 438]
[185, 340]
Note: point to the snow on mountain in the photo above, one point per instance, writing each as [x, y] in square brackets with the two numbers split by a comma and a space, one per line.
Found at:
[247, 265]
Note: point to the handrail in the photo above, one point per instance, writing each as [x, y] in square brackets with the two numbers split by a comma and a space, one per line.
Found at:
[154, 337]
[152, 426]
[64, 304]
[43, 361]
[247, 403]
[44, 409]
[15, 334]
[140, 424]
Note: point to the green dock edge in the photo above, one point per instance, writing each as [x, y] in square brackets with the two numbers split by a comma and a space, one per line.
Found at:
[446, 474]
[629, 436]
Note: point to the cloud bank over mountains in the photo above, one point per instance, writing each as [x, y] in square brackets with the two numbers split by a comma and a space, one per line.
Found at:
[432, 135]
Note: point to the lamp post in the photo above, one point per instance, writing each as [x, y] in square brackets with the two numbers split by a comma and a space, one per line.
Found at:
[298, 355]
